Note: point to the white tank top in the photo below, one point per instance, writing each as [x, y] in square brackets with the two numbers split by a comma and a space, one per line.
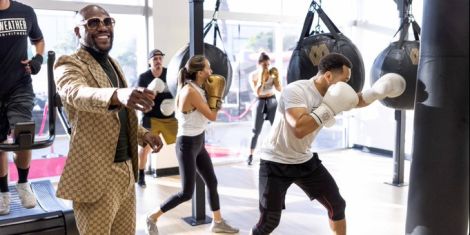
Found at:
[193, 123]
[268, 85]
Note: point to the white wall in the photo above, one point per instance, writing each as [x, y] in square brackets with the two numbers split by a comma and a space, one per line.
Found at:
[171, 26]
[170, 33]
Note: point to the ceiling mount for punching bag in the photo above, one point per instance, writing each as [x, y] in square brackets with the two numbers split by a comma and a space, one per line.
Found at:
[220, 63]
[401, 57]
[312, 46]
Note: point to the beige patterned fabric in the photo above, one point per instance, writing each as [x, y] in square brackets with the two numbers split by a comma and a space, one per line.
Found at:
[114, 212]
[86, 92]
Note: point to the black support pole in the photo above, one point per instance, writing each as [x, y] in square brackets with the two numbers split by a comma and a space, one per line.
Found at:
[438, 199]
[399, 151]
[400, 115]
[196, 47]
[196, 33]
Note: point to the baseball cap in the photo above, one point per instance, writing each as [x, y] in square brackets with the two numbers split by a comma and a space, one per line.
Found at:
[154, 53]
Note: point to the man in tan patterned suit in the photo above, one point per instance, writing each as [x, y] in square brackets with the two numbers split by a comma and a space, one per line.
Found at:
[101, 168]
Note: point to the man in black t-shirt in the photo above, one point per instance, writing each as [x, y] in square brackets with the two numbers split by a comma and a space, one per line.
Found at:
[17, 23]
[161, 119]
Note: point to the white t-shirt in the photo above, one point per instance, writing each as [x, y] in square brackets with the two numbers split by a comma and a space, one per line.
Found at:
[281, 145]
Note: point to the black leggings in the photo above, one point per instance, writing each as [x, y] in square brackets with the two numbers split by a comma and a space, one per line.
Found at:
[265, 110]
[193, 158]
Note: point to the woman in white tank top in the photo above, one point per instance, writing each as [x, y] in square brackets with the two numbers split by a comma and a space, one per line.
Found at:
[263, 81]
[193, 114]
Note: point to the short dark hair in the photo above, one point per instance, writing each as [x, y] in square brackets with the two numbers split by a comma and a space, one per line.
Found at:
[333, 62]
[263, 57]
[84, 10]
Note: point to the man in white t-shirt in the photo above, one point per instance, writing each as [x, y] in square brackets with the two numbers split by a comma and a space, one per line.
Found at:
[305, 106]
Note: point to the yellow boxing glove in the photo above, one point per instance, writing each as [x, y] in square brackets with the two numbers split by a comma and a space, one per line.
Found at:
[214, 87]
[275, 74]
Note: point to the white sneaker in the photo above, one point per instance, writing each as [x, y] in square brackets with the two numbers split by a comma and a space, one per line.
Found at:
[27, 197]
[222, 227]
[4, 203]
[151, 227]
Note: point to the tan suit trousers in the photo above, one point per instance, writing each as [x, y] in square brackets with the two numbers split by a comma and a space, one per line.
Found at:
[114, 212]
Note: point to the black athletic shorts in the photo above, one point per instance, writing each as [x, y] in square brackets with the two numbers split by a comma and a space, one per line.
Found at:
[17, 107]
[312, 177]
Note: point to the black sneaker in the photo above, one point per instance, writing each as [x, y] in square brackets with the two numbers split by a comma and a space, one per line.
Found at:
[141, 182]
[249, 160]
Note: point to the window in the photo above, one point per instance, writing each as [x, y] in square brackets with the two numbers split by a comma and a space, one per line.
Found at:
[244, 41]
[117, 2]
[57, 27]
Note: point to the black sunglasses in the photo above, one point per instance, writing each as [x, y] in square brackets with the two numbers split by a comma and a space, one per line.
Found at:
[93, 23]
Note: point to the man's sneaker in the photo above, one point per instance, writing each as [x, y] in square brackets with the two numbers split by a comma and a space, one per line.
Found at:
[4, 203]
[141, 182]
[222, 227]
[27, 197]
[151, 227]
[249, 160]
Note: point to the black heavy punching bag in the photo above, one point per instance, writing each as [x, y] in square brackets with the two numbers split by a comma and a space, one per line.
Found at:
[438, 199]
[401, 57]
[311, 47]
[220, 64]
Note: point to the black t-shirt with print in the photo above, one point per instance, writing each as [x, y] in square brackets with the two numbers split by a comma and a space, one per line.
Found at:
[144, 80]
[17, 23]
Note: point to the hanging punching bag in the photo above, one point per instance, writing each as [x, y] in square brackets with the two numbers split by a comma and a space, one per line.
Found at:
[438, 193]
[400, 57]
[311, 47]
[220, 64]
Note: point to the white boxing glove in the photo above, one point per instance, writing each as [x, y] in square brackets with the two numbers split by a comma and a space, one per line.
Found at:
[338, 98]
[389, 85]
[157, 85]
[167, 107]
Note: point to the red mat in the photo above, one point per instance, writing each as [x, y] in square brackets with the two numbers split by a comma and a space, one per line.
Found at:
[218, 152]
[50, 167]
[40, 168]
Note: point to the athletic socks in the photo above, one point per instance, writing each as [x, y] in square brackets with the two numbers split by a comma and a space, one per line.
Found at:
[22, 178]
[4, 184]
[22, 175]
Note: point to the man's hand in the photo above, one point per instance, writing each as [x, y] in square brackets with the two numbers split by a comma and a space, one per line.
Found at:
[135, 98]
[33, 66]
[154, 141]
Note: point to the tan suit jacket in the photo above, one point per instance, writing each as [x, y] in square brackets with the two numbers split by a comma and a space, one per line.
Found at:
[86, 92]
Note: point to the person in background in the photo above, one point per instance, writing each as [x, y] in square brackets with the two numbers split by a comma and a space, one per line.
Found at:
[195, 107]
[18, 23]
[161, 119]
[305, 107]
[263, 81]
